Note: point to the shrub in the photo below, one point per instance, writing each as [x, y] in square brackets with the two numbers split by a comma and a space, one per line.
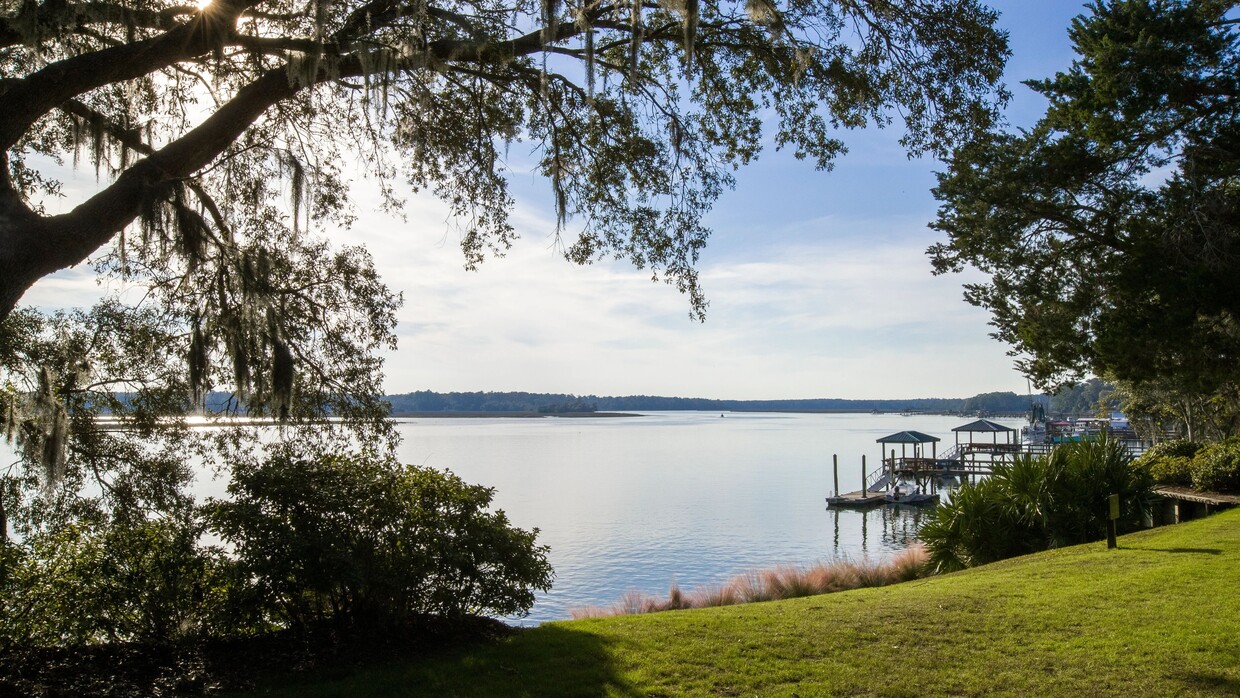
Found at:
[1082, 476]
[146, 581]
[1216, 468]
[1169, 462]
[1172, 470]
[980, 523]
[361, 541]
[1182, 448]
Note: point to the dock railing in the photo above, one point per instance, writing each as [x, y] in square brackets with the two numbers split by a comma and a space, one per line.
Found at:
[950, 454]
[877, 480]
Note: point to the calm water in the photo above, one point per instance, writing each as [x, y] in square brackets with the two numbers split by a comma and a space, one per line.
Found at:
[638, 503]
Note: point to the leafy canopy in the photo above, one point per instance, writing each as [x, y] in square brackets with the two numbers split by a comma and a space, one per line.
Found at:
[201, 119]
[223, 133]
[1108, 230]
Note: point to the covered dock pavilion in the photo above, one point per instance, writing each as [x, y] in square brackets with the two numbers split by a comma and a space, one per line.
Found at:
[983, 427]
[906, 464]
[981, 443]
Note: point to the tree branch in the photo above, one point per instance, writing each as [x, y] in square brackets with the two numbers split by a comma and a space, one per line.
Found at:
[28, 99]
[53, 18]
[131, 139]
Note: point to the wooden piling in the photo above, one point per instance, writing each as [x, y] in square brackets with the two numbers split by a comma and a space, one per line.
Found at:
[835, 467]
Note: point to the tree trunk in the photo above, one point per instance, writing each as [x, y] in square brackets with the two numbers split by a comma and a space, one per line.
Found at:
[33, 246]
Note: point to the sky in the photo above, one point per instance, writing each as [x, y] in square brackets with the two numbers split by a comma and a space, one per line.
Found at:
[818, 282]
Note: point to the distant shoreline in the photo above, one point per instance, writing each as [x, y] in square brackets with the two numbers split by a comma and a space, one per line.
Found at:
[465, 414]
[514, 415]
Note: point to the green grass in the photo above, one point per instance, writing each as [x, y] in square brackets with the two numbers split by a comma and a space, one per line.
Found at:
[1158, 617]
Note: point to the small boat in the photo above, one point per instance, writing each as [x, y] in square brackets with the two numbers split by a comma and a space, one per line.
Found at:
[905, 493]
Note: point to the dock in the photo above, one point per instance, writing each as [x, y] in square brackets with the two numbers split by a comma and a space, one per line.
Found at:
[1186, 494]
[979, 448]
[861, 499]
[872, 494]
[970, 457]
[1184, 504]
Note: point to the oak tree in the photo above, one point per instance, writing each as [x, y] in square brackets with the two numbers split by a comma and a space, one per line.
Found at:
[198, 117]
[221, 133]
[1108, 231]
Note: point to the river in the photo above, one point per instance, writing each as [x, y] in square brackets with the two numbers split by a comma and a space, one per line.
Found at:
[694, 498]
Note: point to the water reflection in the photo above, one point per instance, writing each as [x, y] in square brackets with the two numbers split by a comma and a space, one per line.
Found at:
[895, 526]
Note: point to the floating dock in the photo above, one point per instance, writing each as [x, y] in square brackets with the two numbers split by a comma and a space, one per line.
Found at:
[858, 500]
[873, 494]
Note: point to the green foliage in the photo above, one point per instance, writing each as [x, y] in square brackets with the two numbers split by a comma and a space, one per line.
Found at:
[1172, 470]
[978, 524]
[578, 405]
[1035, 503]
[1080, 478]
[1169, 462]
[636, 115]
[1109, 230]
[1161, 405]
[146, 581]
[1087, 397]
[1216, 467]
[358, 540]
[101, 539]
[999, 402]
[351, 540]
[429, 401]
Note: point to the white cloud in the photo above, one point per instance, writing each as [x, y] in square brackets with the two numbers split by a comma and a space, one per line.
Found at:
[805, 306]
[850, 313]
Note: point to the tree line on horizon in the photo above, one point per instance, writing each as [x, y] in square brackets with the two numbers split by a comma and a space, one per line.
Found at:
[487, 401]
[1093, 396]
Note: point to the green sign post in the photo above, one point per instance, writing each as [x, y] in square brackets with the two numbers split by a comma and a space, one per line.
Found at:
[1112, 515]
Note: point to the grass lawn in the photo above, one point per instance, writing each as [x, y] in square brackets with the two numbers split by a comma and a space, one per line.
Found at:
[1158, 617]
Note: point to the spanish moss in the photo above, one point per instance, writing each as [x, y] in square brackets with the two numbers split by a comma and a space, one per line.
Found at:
[635, 38]
[692, 7]
[550, 20]
[198, 361]
[765, 12]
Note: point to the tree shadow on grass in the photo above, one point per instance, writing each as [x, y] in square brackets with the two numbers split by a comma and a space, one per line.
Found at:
[550, 660]
[1210, 682]
[479, 658]
[1198, 551]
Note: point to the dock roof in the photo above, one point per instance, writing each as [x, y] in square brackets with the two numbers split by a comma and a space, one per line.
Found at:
[908, 437]
[983, 425]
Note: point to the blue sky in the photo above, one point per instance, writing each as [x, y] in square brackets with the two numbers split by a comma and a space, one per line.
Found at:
[818, 283]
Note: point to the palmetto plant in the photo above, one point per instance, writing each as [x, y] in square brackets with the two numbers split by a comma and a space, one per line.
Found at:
[1037, 502]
